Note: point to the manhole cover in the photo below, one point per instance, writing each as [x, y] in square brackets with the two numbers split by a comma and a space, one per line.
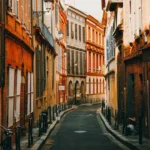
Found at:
[80, 132]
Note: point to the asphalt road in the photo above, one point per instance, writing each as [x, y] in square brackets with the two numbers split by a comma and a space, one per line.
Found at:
[82, 129]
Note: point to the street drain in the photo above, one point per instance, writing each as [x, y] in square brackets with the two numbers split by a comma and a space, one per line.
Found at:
[80, 132]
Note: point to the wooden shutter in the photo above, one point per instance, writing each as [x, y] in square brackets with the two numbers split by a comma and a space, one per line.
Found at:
[81, 63]
[83, 34]
[80, 32]
[68, 61]
[67, 28]
[76, 31]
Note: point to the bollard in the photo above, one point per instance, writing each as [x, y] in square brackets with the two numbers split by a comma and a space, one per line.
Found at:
[17, 134]
[115, 119]
[123, 122]
[140, 130]
[40, 125]
[109, 115]
[30, 137]
[53, 112]
[50, 114]
[56, 110]
[6, 144]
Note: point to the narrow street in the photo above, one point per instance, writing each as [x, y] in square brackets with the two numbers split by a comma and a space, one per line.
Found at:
[82, 129]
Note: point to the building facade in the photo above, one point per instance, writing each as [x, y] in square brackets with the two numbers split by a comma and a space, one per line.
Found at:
[95, 81]
[76, 55]
[136, 59]
[114, 56]
[45, 56]
[61, 76]
[17, 63]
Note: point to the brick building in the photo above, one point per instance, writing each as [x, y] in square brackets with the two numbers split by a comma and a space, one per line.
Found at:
[18, 52]
[95, 59]
[136, 58]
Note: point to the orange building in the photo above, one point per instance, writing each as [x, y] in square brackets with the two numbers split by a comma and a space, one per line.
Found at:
[17, 95]
[61, 58]
[95, 59]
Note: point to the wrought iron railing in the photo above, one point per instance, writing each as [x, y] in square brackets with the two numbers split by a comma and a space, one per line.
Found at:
[44, 29]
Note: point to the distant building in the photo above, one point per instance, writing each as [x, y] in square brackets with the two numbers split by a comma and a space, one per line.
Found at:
[95, 81]
[76, 55]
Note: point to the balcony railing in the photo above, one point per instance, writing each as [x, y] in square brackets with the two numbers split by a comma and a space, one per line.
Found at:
[44, 30]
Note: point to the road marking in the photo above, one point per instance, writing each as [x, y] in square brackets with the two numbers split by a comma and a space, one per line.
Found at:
[80, 132]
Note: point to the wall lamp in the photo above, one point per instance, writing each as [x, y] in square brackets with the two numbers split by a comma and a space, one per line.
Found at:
[47, 6]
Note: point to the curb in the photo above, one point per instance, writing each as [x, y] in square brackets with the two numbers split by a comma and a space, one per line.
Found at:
[117, 135]
[43, 138]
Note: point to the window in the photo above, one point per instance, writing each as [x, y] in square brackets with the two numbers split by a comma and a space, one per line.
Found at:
[17, 95]
[22, 6]
[93, 35]
[72, 30]
[77, 62]
[89, 33]
[99, 39]
[76, 31]
[93, 86]
[80, 32]
[96, 38]
[89, 86]
[72, 62]
[11, 78]
[67, 28]
[29, 93]
[81, 63]
[83, 34]
[68, 61]
[56, 14]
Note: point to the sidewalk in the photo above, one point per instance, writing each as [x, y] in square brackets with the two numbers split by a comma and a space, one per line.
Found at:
[130, 141]
[39, 141]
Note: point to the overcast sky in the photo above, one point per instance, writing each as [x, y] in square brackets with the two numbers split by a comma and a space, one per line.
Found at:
[92, 7]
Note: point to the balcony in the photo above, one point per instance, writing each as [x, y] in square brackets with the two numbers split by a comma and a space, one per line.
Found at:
[44, 30]
[111, 5]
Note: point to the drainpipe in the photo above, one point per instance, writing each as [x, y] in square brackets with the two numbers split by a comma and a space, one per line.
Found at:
[2, 53]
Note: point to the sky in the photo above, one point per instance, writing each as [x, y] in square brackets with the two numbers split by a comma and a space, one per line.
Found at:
[92, 7]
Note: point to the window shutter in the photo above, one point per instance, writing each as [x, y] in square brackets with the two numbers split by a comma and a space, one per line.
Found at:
[80, 32]
[83, 34]
[68, 62]
[67, 28]
[72, 31]
[76, 31]
[77, 62]
[72, 62]
[84, 56]
[81, 63]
